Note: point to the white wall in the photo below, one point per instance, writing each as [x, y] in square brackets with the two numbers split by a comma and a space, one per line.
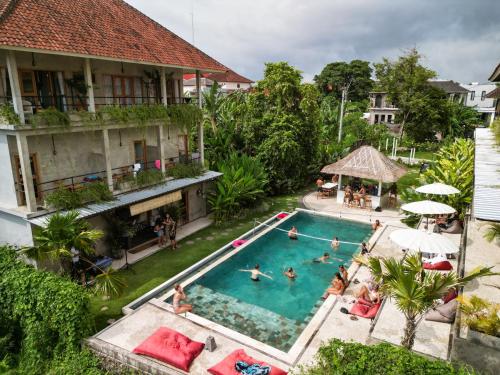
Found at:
[15, 230]
[7, 188]
[478, 89]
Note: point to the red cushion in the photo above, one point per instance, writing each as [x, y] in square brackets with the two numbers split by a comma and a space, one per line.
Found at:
[171, 347]
[451, 295]
[226, 366]
[364, 301]
[365, 311]
[440, 266]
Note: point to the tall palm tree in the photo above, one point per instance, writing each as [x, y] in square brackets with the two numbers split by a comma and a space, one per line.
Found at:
[414, 290]
[64, 231]
[212, 101]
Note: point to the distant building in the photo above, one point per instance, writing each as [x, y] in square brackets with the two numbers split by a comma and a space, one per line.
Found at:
[383, 111]
[478, 99]
[228, 81]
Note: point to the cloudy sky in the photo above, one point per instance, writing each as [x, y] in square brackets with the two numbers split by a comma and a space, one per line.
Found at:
[460, 39]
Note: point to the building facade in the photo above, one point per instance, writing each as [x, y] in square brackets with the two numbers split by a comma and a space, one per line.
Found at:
[228, 81]
[478, 99]
[79, 59]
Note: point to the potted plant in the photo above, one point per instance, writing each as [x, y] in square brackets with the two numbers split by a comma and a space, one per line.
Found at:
[482, 317]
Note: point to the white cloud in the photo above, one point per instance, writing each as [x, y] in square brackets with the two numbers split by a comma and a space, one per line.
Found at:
[460, 38]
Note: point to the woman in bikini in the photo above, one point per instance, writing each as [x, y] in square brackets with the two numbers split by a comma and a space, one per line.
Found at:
[338, 285]
[369, 293]
[256, 273]
[178, 297]
[335, 243]
[376, 225]
[292, 233]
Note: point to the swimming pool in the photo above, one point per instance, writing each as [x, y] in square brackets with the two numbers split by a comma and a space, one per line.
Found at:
[276, 311]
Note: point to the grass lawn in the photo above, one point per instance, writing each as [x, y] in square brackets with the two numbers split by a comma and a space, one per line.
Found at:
[428, 155]
[155, 269]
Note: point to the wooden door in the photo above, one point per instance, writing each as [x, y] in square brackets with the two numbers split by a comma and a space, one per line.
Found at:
[20, 180]
[140, 152]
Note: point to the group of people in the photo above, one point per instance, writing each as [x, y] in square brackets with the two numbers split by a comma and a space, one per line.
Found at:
[164, 227]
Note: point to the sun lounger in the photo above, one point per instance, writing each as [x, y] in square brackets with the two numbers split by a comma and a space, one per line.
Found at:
[170, 347]
[227, 365]
[365, 309]
[438, 266]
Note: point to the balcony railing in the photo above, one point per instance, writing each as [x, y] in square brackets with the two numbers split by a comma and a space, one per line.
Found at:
[65, 103]
[119, 174]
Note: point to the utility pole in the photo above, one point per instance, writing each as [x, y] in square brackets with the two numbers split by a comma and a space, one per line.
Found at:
[345, 91]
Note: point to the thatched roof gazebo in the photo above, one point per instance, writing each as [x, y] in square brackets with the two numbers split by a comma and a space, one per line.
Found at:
[366, 162]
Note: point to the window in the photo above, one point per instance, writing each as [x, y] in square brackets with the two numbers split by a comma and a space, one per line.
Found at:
[389, 119]
[483, 95]
[28, 86]
[472, 95]
[376, 119]
[378, 101]
[128, 90]
[140, 152]
[382, 118]
[238, 85]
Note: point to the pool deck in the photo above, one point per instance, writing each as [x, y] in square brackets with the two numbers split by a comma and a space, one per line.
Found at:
[117, 340]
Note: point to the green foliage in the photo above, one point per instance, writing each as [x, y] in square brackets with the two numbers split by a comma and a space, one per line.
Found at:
[149, 177]
[413, 289]
[76, 363]
[50, 117]
[212, 102]
[406, 83]
[480, 315]
[242, 184]
[52, 312]
[8, 115]
[336, 75]
[495, 126]
[454, 166]
[184, 115]
[343, 358]
[66, 199]
[492, 233]
[185, 170]
[462, 120]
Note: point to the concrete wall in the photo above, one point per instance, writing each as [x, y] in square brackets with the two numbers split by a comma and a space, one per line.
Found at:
[197, 204]
[7, 187]
[14, 230]
[483, 358]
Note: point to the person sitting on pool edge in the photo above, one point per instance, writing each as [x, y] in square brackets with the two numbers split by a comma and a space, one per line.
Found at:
[322, 259]
[338, 285]
[335, 243]
[364, 249]
[256, 273]
[344, 274]
[290, 273]
[178, 297]
[292, 233]
[376, 225]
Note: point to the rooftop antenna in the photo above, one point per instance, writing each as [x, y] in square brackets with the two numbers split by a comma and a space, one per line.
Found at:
[192, 19]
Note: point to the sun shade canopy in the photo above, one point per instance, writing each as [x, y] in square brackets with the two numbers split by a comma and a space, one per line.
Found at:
[428, 208]
[425, 242]
[438, 189]
[367, 162]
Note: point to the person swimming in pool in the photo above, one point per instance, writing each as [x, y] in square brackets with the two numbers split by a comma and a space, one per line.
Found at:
[322, 259]
[255, 273]
[290, 273]
[335, 243]
[292, 233]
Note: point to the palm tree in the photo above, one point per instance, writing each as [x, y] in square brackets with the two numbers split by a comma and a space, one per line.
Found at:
[414, 290]
[212, 100]
[492, 233]
[64, 231]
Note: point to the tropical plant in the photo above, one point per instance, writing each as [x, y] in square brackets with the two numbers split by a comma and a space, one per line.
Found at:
[413, 289]
[212, 101]
[185, 170]
[67, 199]
[65, 231]
[148, 177]
[480, 315]
[351, 358]
[454, 166]
[8, 115]
[243, 182]
[492, 233]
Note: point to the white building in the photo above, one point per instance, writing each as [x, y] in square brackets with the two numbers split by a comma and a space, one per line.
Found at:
[228, 81]
[478, 99]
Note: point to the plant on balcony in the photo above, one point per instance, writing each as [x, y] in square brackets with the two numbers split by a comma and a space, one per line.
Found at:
[148, 177]
[50, 117]
[139, 114]
[8, 116]
[480, 315]
[66, 199]
[184, 115]
[183, 170]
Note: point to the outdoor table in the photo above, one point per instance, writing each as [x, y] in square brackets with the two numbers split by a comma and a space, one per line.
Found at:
[329, 185]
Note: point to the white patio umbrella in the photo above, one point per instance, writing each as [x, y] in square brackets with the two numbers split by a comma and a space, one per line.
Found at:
[417, 240]
[427, 207]
[438, 189]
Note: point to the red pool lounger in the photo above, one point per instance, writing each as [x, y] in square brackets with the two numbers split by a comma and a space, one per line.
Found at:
[226, 366]
[170, 347]
[365, 311]
[439, 266]
[282, 215]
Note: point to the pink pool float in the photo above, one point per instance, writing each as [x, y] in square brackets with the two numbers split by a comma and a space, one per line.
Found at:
[238, 243]
[282, 215]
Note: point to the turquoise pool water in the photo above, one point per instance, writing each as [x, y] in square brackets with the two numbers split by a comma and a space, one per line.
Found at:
[276, 311]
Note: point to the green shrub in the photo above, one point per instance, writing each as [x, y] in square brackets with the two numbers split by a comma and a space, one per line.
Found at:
[243, 182]
[52, 312]
[50, 117]
[8, 115]
[76, 363]
[149, 177]
[66, 199]
[342, 358]
[182, 170]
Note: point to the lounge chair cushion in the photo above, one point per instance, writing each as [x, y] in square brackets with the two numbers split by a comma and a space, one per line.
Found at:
[365, 311]
[226, 366]
[451, 295]
[171, 347]
[439, 266]
[443, 313]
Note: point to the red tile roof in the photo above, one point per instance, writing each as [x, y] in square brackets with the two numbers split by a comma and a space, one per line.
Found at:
[101, 28]
[228, 76]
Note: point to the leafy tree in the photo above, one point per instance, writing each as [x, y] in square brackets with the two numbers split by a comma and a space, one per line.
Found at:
[406, 83]
[337, 75]
[413, 289]
[212, 101]
[454, 166]
[65, 231]
[462, 120]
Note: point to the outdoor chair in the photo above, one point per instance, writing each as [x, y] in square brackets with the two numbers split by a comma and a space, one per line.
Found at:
[368, 202]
